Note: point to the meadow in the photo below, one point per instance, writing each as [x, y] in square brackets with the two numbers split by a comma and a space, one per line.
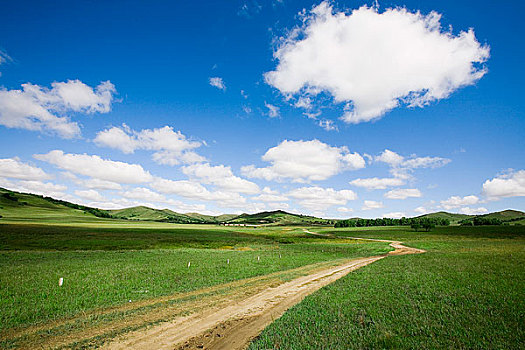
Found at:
[466, 292]
[111, 264]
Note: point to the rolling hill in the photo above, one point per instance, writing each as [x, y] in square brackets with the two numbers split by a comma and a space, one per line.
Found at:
[453, 218]
[31, 207]
[279, 217]
[143, 213]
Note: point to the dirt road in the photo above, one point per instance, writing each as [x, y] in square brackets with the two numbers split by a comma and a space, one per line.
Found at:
[233, 325]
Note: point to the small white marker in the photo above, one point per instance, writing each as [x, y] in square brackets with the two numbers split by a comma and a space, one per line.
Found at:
[189, 264]
[258, 258]
[60, 281]
[228, 261]
[130, 300]
[279, 255]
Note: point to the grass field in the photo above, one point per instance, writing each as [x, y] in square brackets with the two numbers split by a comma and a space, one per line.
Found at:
[110, 265]
[466, 292]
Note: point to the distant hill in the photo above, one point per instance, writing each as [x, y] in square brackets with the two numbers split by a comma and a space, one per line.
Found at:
[212, 219]
[31, 207]
[279, 217]
[149, 214]
[510, 216]
[506, 215]
[453, 218]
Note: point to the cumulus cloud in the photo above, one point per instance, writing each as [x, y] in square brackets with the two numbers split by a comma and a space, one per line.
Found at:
[304, 161]
[375, 183]
[144, 194]
[220, 176]
[457, 201]
[403, 193]
[14, 168]
[374, 62]
[269, 195]
[194, 190]
[402, 167]
[473, 211]
[218, 83]
[511, 184]
[345, 210]
[369, 205]
[318, 198]
[95, 184]
[171, 147]
[42, 109]
[96, 167]
[394, 215]
[91, 195]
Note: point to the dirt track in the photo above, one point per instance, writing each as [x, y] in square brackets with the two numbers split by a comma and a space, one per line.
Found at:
[233, 325]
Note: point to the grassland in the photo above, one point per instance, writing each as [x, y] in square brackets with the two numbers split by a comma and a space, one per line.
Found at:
[466, 292]
[111, 263]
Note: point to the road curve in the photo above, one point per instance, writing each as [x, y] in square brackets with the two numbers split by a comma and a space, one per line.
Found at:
[233, 326]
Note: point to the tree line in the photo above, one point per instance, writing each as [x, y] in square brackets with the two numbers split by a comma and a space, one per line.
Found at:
[416, 223]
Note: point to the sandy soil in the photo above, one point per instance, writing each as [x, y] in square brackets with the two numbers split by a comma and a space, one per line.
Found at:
[234, 325]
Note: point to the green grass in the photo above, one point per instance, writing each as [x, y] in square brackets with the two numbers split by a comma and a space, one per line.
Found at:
[466, 292]
[107, 266]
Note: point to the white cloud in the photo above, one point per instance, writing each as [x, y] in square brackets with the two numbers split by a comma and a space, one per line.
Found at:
[36, 108]
[345, 210]
[403, 193]
[389, 157]
[401, 167]
[375, 183]
[456, 202]
[15, 169]
[270, 198]
[473, 211]
[303, 102]
[394, 215]
[194, 190]
[91, 195]
[273, 111]
[269, 195]
[374, 61]
[305, 161]
[218, 83]
[220, 176]
[172, 147]
[421, 210]
[328, 125]
[319, 198]
[369, 205]
[144, 194]
[96, 167]
[507, 185]
[95, 184]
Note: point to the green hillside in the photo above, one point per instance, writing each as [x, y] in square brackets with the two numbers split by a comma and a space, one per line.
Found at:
[212, 219]
[149, 214]
[453, 218]
[279, 217]
[30, 207]
[506, 215]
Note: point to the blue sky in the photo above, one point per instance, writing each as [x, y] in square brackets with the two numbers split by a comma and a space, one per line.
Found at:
[325, 108]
